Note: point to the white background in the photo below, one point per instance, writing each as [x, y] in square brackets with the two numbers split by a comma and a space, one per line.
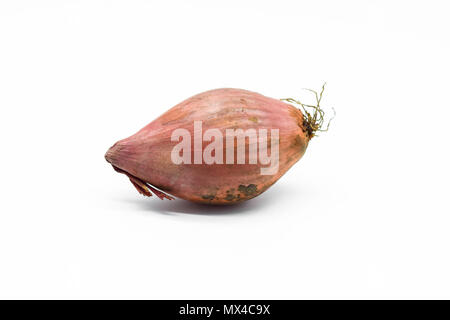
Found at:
[364, 214]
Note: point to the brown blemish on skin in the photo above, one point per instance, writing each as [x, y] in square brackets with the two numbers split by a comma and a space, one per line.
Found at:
[298, 142]
[249, 190]
[208, 196]
[230, 197]
[253, 119]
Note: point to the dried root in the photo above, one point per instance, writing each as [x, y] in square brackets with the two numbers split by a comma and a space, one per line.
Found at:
[313, 120]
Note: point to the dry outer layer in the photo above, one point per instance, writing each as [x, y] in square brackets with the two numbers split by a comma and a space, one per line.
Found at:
[146, 155]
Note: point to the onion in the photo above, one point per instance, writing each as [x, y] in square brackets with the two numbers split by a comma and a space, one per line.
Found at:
[222, 146]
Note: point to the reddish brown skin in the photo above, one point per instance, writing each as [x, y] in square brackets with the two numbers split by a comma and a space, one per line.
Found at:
[146, 155]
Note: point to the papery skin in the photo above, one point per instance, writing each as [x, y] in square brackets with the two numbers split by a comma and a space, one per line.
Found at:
[146, 155]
